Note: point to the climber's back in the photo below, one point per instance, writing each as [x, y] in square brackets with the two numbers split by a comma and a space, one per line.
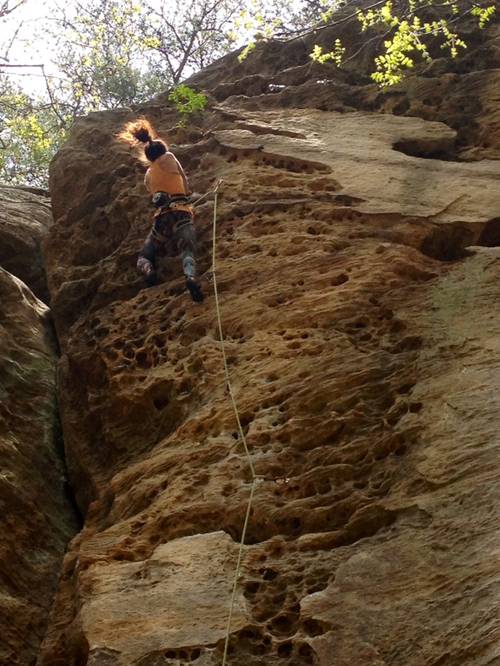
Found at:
[164, 175]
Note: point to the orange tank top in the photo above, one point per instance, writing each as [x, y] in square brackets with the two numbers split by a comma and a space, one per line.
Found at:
[158, 179]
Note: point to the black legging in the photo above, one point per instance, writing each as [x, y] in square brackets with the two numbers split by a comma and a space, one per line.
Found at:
[176, 224]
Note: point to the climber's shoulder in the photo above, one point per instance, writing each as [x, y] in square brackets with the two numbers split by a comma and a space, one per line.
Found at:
[169, 162]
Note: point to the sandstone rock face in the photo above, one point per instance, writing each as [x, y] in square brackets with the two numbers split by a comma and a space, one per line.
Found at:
[362, 339]
[177, 597]
[25, 218]
[36, 520]
[356, 147]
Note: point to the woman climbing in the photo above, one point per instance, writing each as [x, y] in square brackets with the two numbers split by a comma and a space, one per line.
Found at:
[167, 183]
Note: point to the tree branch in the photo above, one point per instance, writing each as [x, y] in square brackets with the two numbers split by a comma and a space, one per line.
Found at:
[8, 64]
[345, 19]
[14, 37]
[53, 103]
[5, 10]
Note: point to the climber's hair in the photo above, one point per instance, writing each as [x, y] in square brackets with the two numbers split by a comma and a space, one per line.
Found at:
[141, 131]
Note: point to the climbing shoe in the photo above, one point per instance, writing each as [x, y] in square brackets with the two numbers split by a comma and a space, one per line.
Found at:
[195, 290]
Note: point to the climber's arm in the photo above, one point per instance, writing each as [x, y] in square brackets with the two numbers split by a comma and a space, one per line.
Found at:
[184, 178]
[186, 184]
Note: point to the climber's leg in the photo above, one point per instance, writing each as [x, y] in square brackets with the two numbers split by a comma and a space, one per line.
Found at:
[160, 232]
[146, 262]
[185, 236]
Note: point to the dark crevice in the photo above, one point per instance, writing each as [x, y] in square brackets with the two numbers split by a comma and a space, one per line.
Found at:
[57, 430]
[448, 242]
[433, 150]
[415, 148]
[451, 242]
[490, 235]
[52, 333]
[67, 491]
[67, 487]
[268, 129]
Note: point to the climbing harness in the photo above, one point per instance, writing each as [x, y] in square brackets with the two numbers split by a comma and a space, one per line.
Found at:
[168, 223]
[165, 203]
[163, 200]
[254, 477]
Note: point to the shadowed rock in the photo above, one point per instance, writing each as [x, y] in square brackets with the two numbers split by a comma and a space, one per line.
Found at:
[25, 218]
[37, 521]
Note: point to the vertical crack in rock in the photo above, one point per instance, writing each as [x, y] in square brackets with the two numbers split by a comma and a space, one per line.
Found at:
[37, 518]
[38, 510]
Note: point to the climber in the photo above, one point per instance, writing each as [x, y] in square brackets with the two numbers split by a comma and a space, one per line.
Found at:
[167, 183]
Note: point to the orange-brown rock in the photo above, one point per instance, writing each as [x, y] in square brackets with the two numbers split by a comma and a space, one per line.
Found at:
[36, 517]
[361, 331]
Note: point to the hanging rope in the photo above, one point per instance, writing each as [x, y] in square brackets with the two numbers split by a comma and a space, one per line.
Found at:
[204, 196]
[237, 572]
[240, 430]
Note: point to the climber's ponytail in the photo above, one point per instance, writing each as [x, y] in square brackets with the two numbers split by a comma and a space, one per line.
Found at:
[141, 131]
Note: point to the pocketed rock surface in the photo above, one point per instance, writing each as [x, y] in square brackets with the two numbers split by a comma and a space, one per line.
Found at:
[362, 341]
[37, 520]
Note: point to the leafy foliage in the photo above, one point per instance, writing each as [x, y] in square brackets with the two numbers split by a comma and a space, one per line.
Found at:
[484, 14]
[408, 34]
[101, 56]
[110, 53]
[335, 55]
[29, 138]
[187, 101]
